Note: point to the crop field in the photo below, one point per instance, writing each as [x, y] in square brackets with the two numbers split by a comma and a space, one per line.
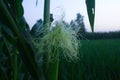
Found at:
[50, 50]
[99, 60]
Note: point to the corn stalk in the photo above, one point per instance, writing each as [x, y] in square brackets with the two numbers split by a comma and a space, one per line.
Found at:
[51, 68]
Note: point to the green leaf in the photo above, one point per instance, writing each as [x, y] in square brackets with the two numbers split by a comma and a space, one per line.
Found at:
[1, 45]
[16, 8]
[91, 12]
[8, 34]
[23, 24]
[25, 49]
[20, 11]
[36, 28]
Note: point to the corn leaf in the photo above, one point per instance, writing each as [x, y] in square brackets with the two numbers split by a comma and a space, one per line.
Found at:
[17, 9]
[25, 49]
[91, 12]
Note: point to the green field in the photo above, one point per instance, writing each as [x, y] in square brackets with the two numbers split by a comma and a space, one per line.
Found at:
[99, 60]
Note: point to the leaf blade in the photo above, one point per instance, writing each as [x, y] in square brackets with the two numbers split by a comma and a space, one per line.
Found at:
[91, 12]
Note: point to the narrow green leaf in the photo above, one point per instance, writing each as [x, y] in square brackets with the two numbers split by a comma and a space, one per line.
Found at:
[8, 31]
[8, 34]
[12, 60]
[36, 28]
[16, 8]
[26, 51]
[51, 69]
[6, 51]
[1, 41]
[20, 11]
[91, 12]
[1, 45]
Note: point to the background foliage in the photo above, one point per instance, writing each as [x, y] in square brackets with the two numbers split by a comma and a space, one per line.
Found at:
[99, 60]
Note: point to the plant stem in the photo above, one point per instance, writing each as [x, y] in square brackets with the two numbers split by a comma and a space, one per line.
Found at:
[15, 66]
[47, 12]
[51, 68]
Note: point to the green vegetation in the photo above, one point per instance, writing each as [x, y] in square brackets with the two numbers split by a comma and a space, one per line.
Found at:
[100, 35]
[99, 60]
[22, 59]
[54, 43]
[18, 53]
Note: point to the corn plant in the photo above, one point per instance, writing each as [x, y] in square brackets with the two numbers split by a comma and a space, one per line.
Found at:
[18, 59]
[53, 67]
[55, 43]
[16, 41]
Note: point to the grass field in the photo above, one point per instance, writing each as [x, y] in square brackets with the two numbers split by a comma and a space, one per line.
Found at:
[99, 60]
